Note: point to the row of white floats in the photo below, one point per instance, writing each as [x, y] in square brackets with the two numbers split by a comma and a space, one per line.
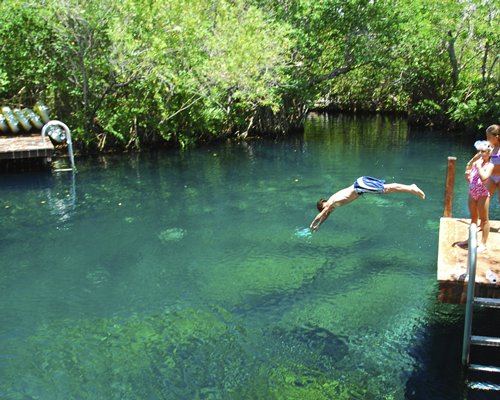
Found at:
[15, 120]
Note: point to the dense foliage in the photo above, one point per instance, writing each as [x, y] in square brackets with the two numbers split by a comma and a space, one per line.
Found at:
[130, 73]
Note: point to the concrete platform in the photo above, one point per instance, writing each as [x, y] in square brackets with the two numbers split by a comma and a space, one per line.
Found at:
[27, 146]
[452, 261]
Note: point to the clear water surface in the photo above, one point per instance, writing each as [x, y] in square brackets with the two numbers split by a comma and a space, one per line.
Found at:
[190, 275]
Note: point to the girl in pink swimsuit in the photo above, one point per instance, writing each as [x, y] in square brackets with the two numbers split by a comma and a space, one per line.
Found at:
[479, 195]
[493, 137]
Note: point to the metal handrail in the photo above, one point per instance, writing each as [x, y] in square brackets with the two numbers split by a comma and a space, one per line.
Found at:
[68, 139]
[471, 271]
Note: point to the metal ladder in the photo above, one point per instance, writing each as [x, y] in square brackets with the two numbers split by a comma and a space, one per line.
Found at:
[472, 302]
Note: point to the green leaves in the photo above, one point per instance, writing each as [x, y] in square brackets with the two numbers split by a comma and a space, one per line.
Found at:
[135, 72]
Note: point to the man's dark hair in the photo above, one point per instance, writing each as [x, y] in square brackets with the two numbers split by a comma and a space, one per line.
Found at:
[320, 204]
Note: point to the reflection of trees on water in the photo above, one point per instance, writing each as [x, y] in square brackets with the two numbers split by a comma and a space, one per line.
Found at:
[38, 201]
[62, 203]
[337, 131]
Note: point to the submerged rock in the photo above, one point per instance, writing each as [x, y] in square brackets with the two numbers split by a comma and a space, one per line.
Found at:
[99, 276]
[172, 234]
[317, 340]
[322, 341]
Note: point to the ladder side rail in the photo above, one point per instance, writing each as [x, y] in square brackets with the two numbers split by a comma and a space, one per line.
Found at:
[471, 263]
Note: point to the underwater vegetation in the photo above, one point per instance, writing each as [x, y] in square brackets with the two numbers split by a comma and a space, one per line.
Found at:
[180, 354]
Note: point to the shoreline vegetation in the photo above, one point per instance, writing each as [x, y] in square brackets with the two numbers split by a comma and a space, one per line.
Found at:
[135, 74]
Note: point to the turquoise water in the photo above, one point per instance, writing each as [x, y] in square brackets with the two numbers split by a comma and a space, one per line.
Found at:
[191, 275]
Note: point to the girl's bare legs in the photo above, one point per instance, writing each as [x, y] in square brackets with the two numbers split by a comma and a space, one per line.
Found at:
[399, 187]
[474, 213]
[483, 205]
[473, 219]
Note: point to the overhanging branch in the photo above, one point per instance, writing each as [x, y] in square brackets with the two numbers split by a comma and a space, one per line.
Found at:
[339, 71]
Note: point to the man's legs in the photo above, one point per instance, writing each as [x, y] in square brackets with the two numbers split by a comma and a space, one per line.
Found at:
[399, 187]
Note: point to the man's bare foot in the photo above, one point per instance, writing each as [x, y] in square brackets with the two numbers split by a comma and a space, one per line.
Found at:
[418, 191]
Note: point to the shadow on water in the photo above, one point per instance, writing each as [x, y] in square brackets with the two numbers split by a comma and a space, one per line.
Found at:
[438, 367]
[437, 353]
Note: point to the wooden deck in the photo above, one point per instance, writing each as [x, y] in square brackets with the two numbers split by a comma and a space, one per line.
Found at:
[28, 146]
[452, 261]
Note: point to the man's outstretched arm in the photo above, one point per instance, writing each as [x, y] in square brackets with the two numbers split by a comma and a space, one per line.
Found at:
[321, 217]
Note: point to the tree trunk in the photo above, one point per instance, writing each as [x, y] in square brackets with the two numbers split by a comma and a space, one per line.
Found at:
[290, 118]
[453, 60]
[483, 66]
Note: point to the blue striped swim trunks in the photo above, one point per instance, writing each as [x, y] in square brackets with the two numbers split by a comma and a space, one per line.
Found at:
[367, 184]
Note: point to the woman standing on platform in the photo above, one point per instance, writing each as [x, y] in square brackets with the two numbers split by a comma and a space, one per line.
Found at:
[493, 137]
[478, 172]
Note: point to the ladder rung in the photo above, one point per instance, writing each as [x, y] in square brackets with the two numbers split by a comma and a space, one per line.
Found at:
[484, 386]
[487, 302]
[484, 368]
[485, 340]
